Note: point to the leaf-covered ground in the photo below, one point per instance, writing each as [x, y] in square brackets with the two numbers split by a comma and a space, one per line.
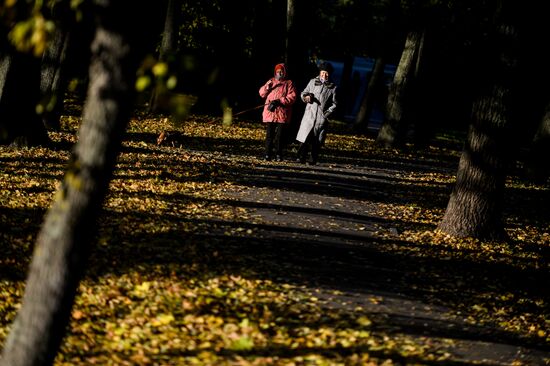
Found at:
[208, 255]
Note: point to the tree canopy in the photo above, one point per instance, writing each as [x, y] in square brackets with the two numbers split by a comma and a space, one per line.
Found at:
[444, 227]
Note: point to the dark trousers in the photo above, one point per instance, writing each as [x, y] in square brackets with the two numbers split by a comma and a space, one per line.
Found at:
[274, 138]
[311, 143]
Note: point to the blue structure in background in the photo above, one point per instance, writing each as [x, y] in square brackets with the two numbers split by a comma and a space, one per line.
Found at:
[361, 72]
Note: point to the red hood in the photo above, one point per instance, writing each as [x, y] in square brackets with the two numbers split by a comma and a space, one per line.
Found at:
[280, 66]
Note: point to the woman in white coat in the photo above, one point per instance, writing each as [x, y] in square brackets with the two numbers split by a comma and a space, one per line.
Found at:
[320, 96]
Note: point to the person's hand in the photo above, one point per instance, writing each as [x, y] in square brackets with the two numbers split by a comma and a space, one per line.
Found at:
[307, 98]
[273, 105]
[269, 84]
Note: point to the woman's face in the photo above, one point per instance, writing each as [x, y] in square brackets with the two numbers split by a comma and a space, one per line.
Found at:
[323, 75]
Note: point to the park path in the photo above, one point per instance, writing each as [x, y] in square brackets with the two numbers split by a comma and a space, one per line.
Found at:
[323, 219]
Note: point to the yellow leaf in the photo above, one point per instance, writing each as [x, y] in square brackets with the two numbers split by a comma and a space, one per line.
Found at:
[244, 343]
[160, 69]
[163, 319]
[364, 321]
[141, 290]
[143, 83]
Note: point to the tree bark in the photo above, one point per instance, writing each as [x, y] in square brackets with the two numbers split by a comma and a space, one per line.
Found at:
[67, 56]
[64, 239]
[168, 49]
[169, 44]
[475, 206]
[296, 50]
[290, 29]
[374, 87]
[52, 83]
[20, 125]
[393, 130]
[344, 92]
[537, 165]
[262, 53]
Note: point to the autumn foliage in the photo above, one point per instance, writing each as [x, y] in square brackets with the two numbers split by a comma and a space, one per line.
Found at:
[186, 272]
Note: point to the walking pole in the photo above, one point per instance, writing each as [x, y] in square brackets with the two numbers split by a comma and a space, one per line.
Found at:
[248, 110]
[164, 134]
[241, 112]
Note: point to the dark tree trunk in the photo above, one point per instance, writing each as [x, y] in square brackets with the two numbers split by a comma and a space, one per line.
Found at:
[538, 164]
[393, 130]
[20, 125]
[64, 239]
[262, 54]
[374, 89]
[53, 82]
[66, 57]
[168, 49]
[344, 93]
[474, 209]
[169, 44]
[55, 71]
[296, 58]
[475, 205]
[419, 102]
[290, 31]
[295, 50]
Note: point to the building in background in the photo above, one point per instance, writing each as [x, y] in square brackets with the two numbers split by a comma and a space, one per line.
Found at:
[360, 75]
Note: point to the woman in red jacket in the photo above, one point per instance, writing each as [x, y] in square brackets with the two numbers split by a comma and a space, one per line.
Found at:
[279, 94]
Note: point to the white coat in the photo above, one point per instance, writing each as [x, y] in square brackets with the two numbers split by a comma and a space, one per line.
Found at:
[317, 112]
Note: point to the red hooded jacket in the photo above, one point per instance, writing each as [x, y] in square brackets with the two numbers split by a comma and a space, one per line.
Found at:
[282, 90]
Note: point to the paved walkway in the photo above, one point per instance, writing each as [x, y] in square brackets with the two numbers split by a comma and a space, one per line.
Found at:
[322, 219]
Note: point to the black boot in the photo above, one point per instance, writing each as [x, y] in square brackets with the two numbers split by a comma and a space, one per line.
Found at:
[302, 153]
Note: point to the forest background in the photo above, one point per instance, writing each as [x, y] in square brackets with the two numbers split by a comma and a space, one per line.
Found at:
[474, 67]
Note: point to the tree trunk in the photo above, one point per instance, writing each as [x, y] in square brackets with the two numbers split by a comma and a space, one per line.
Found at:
[374, 87]
[537, 165]
[20, 125]
[344, 92]
[394, 127]
[296, 56]
[475, 206]
[55, 64]
[5, 66]
[474, 209]
[262, 53]
[52, 83]
[290, 26]
[64, 239]
[168, 49]
[169, 44]
[375, 90]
